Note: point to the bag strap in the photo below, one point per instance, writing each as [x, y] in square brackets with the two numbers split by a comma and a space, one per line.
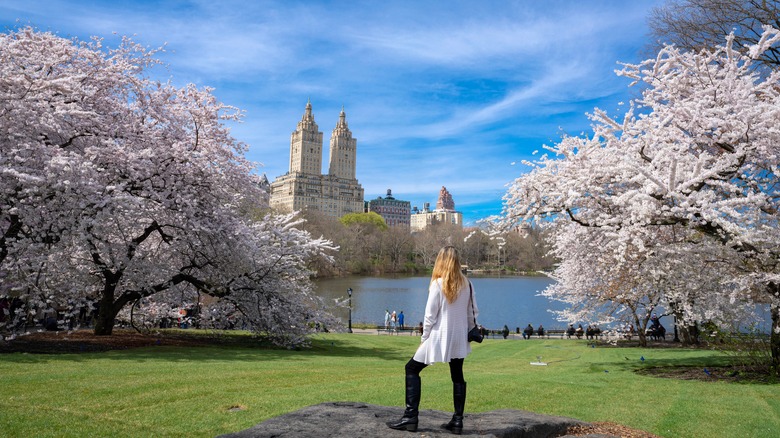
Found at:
[473, 313]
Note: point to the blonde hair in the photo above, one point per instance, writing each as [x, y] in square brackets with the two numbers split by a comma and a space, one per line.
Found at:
[447, 267]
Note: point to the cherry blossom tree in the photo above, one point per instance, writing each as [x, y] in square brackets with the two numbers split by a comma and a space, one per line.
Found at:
[625, 282]
[117, 188]
[600, 280]
[258, 273]
[698, 150]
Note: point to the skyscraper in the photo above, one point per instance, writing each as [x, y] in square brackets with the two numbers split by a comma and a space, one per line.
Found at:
[305, 186]
[444, 213]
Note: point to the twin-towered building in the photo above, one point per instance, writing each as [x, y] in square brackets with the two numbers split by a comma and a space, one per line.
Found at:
[338, 192]
[304, 186]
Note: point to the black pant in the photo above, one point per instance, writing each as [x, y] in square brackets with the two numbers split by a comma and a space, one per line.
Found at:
[456, 369]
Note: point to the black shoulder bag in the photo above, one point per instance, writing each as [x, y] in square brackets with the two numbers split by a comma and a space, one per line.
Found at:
[475, 334]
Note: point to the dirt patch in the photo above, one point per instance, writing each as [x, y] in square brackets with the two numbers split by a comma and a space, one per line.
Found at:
[608, 430]
[712, 374]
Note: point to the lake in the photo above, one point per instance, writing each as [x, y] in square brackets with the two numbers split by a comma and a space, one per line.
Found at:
[511, 300]
[501, 300]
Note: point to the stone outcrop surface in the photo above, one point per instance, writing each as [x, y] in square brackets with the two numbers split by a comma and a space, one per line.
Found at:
[352, 419]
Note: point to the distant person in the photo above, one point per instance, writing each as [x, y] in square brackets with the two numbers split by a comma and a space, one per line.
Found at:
[449, 314]
[420, 328]
[656, 333]
[387, 319]
[589, 332]
[505, 332]
[655, 321]
[579, 331]
[183, 319]
[49, 320]
[528, 331]
[401, 320]
[570, 331]
[630, 332]
[540, 331]
[394, 320]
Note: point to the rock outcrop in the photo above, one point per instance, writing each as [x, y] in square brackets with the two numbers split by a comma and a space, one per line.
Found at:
[353, 419]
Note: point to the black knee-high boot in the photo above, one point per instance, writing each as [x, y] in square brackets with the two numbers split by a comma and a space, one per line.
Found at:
[459, 401]
[409, 420]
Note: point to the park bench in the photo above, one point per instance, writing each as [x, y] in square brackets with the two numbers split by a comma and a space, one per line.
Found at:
[380, 329]
[495, 334]
[554, 332]
[492, 334]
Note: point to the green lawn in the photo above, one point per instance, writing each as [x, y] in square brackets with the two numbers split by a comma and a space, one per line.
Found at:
[174, 391]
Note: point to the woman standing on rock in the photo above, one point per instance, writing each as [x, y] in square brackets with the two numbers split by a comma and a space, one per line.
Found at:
[449, 315]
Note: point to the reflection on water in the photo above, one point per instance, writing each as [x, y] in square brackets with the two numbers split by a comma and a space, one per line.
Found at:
[506, 300]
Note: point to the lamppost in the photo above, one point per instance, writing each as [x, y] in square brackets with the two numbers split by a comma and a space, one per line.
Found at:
[349, 292]
[676, 338]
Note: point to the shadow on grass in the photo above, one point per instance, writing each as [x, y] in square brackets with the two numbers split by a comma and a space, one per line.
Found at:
[703, 369]
[633, 361]
[189, 348]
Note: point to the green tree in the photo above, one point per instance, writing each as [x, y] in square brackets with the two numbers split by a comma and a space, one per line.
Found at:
[370, 218]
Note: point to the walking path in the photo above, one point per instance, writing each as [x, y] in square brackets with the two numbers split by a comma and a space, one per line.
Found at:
[513, 336]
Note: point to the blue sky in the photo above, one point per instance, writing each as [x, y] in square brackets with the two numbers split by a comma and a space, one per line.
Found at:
[438, 93]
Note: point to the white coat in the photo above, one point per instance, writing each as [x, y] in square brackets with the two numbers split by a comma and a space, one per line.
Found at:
[446, 325]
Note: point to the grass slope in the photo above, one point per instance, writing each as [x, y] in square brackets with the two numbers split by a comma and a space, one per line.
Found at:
[207, 391]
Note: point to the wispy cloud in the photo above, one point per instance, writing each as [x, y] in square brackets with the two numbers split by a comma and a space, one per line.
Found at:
[437, 93]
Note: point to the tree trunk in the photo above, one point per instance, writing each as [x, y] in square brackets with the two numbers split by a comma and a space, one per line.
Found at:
[683, 334]
[774, 337]
[107, 310]
[642, 338]
[686, 334]
[104, 321]
[689, 334]
[640, 330]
